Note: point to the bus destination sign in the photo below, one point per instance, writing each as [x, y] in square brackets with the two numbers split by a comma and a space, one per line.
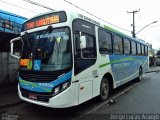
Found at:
[46, 19]
[42, 22]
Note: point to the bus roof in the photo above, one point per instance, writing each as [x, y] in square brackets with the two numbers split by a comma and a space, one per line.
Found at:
[92, 20]
[110, 28]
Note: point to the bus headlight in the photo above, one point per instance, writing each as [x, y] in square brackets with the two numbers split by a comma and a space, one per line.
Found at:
[65, 85]
[61, 88]
[57, 90]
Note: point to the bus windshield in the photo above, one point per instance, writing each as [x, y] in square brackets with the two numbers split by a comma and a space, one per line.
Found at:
[51, 49]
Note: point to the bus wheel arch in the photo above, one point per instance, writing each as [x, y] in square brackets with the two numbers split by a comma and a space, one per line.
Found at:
[106, 86]
[140, 73]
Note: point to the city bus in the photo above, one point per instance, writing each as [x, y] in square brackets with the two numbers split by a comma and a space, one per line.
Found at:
[68, 58]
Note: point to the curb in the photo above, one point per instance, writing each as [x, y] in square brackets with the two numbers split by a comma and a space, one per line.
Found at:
[153, 71]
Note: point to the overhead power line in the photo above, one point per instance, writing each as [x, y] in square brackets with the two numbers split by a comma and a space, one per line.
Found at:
[40, 5]
[18, 6]
[96, 16]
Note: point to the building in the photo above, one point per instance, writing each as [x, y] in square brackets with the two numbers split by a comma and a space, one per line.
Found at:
[10, 27]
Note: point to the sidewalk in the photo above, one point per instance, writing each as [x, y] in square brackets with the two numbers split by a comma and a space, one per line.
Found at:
[154, 69]
[9, 95]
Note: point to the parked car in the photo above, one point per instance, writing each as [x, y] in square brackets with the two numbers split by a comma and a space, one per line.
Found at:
[158, 62]
[158, 54]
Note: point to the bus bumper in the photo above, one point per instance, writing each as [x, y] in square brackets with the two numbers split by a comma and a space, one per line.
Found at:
[62, 100]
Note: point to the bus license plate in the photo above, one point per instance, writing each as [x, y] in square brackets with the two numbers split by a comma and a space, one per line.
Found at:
[32, 96]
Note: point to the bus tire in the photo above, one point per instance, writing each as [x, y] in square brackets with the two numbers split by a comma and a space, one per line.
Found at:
[104, 89]
[140, 75]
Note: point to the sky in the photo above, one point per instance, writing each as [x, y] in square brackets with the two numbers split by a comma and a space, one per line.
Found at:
[112, 11]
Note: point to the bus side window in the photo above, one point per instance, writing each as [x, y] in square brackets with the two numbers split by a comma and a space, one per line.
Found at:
[134, 51]
[127, 47]
[118, 47]
[146, 50]
[138, 49]
[142, 46]
[105, 43]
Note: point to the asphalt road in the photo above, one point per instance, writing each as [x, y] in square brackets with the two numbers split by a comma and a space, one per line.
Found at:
[140, 102]
[132, 98]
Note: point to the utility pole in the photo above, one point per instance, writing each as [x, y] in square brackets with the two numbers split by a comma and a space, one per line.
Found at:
[133, 25]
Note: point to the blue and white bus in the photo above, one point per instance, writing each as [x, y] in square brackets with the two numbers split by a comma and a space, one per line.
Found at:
[68, 58]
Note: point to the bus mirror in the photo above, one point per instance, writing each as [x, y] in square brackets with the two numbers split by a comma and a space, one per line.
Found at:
[14, 50]
[83, 42]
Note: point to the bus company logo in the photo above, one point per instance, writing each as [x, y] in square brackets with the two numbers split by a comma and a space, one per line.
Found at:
[61, 75]
[88, 19]
[121, 66]
[46, 85]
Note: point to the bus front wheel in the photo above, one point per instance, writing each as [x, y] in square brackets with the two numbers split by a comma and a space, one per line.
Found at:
[104, 89]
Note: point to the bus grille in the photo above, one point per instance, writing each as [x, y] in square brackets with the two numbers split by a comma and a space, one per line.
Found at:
[34, 77]
[44, 97]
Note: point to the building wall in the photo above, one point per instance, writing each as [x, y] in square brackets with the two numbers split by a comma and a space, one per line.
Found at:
[10, 27]
[8, 69]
